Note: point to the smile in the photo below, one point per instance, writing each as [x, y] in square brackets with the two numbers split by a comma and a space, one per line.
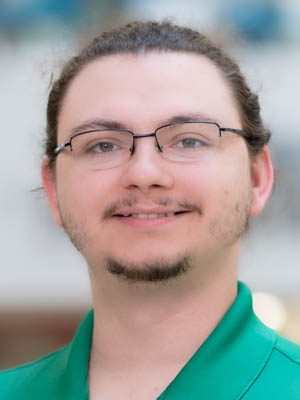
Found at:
[148, 220]
[150, 216]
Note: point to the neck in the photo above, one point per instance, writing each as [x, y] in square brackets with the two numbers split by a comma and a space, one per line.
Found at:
[154, 327]
[157, 324]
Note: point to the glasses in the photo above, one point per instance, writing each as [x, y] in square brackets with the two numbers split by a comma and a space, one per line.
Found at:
[185, 142]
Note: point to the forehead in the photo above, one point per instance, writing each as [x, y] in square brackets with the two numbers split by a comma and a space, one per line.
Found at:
[143, 90]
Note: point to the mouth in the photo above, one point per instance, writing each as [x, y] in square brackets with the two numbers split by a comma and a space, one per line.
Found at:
[150, 215]
[148, 220]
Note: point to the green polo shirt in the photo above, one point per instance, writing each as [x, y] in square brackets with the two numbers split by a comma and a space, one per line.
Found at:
[241, 359]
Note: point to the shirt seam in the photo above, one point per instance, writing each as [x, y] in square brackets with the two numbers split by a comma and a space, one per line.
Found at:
[32, 363]
[257, 375]
[288, 357]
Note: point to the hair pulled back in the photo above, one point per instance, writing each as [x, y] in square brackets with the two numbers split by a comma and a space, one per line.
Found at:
[145, 37]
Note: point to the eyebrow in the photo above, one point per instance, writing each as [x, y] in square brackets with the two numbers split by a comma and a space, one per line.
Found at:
[101, 123]
[194, 116]
[97, 123]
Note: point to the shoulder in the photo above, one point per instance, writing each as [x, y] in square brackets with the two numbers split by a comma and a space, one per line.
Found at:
[284, 362]
[59, 375]
[288, 350]
[31, 381]
[280, 376]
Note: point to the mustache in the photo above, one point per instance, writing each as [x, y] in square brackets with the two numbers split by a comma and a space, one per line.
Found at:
[113, 208]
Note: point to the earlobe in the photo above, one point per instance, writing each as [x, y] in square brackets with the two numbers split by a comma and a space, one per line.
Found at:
[262, 180]
[49, 182]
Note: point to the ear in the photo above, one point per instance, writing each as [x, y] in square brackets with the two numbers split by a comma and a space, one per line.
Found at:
[262, 180]
[49, 182]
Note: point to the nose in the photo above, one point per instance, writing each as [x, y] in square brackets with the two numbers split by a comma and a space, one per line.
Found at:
[147, 170]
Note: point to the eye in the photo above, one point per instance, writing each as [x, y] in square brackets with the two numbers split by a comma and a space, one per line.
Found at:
[103, 147]
[189, 143]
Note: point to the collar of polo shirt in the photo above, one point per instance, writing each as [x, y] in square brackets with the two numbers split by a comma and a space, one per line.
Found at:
[224, 367]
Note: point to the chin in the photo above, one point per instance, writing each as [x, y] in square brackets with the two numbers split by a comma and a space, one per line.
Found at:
[148, 270]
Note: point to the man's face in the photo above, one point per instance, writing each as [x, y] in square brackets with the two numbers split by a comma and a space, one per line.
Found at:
[142, 93]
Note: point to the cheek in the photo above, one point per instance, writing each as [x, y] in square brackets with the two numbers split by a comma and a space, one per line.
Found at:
[220, 180]
[199, 182]
[235, 187]
[83, 194]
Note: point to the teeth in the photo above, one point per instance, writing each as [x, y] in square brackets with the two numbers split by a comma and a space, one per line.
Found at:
[149, 216]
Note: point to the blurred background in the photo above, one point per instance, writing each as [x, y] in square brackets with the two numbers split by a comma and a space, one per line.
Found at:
[44, 288]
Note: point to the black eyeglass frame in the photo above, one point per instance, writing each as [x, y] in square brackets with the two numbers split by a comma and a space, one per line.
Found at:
[240, 132]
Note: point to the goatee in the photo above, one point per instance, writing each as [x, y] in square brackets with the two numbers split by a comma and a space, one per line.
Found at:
[148, 272]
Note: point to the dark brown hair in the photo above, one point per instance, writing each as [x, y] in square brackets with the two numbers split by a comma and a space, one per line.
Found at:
[145, 37]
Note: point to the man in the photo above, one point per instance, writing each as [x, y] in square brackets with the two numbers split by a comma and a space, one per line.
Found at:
[156, 157]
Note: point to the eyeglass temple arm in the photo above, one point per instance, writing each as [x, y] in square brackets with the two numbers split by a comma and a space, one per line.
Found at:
[238, 131]
[58, 149]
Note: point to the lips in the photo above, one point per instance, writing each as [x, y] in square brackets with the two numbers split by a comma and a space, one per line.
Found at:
[149, 215]
[145, 219]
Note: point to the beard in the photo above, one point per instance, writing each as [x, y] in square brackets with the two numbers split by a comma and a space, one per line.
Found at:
[159, 271]
[225, 230]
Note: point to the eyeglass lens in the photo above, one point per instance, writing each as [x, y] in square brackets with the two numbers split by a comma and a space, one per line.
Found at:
[186, 142]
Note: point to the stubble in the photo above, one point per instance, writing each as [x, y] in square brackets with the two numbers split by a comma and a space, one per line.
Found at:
[225, 231]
